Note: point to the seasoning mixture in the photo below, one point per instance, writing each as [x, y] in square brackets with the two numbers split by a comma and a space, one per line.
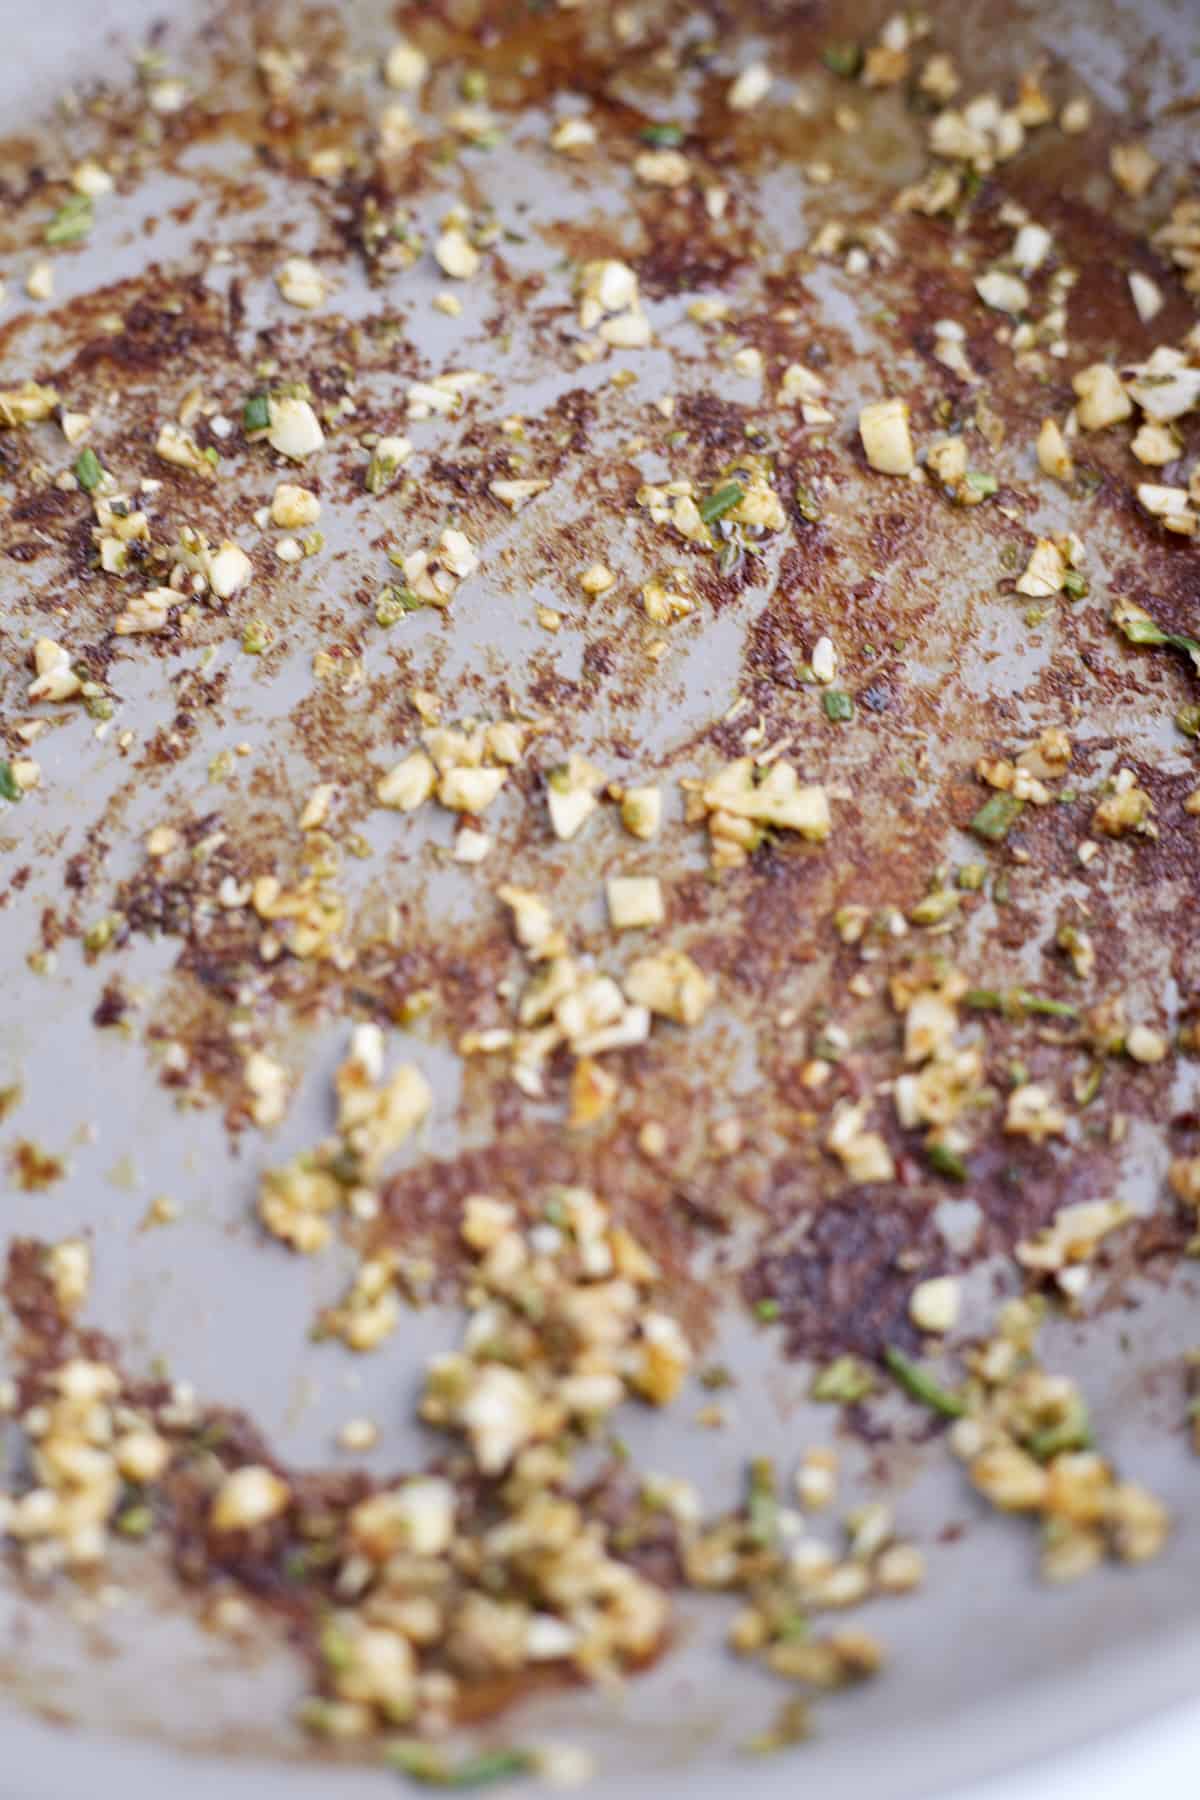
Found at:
[643, 575]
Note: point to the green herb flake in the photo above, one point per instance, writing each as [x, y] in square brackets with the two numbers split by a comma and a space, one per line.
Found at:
[71, 222]
[662, 137]
[380, 471]
[1187, 720]
[256, 413]
[430, 1766]
[10, 788]
[996, 817]
[843, 1382]
[87, 470]
[981, 483]
[766, 1310]
[1139, 628]
[843, 59]
[1075, 583]
[922, 1386]
[1015, 1002]
[944, 1161]
[1041, 1003]
[394, 602]
[714, 506]
[839, 707]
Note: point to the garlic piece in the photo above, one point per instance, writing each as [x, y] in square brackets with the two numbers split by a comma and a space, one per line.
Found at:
[294, 429]
[883, 427]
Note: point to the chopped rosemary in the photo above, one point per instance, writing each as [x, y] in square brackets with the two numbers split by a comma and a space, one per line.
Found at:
[714, 506]
[839, 707]
[380, 471]
[922, 1386]
[1041, 1003]
[996, 817]
[1017, 1001]
[843, 58]
[426, 1764]
[9, 787]
[256, 413]
[87, 470]
[662, 137]
[394, 602]
[1139, 628]
[945, 1161]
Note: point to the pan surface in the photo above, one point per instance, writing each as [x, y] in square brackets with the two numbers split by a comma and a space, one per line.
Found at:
[126, 1051]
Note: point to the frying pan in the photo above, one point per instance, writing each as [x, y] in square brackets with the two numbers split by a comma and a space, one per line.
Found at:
[122, 1685]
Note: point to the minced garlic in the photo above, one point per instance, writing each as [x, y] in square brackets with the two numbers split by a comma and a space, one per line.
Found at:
[883, 427]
